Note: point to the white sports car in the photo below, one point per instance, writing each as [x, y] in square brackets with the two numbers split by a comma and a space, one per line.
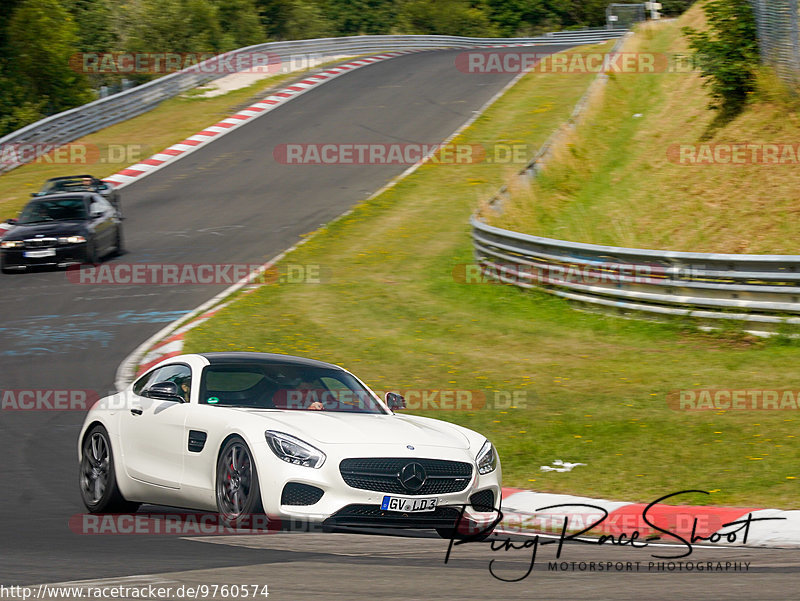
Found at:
[292, 438]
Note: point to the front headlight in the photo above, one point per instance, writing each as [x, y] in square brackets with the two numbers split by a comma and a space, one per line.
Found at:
[293, 450]
[12, 243]
[72, 240]
[486, 459]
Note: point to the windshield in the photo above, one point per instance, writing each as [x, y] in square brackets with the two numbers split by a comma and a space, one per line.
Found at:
[68, 185]
[60, 209]
[288, 387]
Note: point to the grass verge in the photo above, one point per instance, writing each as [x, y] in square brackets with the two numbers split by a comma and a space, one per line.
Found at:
[621, 179]
[591, 389]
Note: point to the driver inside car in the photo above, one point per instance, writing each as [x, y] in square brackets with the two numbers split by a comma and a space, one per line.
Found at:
[308, 388]
[184, 386]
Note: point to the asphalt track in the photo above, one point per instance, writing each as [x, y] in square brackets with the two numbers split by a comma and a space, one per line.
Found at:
[230, 202]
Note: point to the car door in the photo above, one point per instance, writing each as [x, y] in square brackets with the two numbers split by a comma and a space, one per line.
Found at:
[152, 431]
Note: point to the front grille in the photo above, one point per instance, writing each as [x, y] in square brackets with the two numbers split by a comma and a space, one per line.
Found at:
[373, 515]
[482, 501]
[40, 242]
[383, 475]
[295, 493]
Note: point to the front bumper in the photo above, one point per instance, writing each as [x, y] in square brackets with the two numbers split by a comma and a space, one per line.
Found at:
[72, 254]
[338, 504]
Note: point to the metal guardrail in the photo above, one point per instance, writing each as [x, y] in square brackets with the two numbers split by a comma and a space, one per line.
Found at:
[762, 290]
[70, 125]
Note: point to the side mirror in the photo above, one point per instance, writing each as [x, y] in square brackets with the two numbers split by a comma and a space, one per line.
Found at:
[395, 401]
[96, 214]
[12, 221]
[165, 391]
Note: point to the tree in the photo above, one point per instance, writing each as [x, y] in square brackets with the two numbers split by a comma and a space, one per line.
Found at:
[42, 37]
[93, 20]
[675, 7]
[240, 23]
[727, 53]
[175, 26]
[521, 17]
[445, 17]
[362, 17]
[294, 19]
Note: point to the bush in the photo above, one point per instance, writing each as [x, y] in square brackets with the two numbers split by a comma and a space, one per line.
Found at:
[727, 53]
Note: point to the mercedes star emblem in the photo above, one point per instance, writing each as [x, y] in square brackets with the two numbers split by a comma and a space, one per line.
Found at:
[413, 476]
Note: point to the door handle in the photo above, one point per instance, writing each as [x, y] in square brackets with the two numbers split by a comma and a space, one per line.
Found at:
[136, 411]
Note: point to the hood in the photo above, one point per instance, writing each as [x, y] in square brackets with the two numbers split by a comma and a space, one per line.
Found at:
[348, 428]
[47, 229]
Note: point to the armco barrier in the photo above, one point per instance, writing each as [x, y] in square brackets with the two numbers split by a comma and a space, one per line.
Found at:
[72, 124]
[761, 290]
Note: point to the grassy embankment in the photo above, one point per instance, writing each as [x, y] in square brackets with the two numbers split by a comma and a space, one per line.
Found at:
[621, 179]
[596, 387]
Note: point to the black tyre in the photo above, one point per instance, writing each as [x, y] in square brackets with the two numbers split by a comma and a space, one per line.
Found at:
[91, 252]
[97, 478]
[119, 243]
[237, 489]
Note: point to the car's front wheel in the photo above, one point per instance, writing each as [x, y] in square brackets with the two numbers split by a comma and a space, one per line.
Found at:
[119, 245]
[91, 252]
[97, 478]
[238, 494]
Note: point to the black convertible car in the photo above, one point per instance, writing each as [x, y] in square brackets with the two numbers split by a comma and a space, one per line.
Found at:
[62, 229]
[80, 183]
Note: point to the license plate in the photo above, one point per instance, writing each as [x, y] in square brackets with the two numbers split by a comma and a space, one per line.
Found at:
[38, 254]
[407, 505]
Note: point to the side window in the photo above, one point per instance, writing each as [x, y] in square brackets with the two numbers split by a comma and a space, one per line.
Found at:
[141, 383]
[179, 373]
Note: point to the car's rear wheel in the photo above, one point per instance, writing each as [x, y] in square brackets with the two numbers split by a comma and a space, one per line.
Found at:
[238, 494]
[97, 478]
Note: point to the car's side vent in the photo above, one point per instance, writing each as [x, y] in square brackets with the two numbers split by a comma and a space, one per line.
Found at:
[197, 440]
